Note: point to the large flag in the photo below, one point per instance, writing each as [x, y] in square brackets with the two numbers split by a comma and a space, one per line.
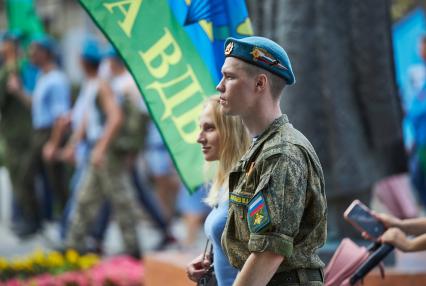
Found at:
[174, 50]
[22, 18]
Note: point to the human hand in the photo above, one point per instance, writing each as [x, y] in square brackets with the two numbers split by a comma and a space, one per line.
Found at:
[97, 158]
[197, 268]
[388, 220]
[49, 151]
[68, 154]
[14, 84]
[396, 237]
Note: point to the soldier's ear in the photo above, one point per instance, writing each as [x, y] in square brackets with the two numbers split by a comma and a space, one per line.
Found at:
[261, 82]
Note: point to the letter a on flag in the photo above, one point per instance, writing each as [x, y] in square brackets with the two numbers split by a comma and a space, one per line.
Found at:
[174, 50]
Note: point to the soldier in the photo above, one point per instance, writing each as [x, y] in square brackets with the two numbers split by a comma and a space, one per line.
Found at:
[104, 179]
[15, 128]
[49, 101]
[131, 140]
[277, 213]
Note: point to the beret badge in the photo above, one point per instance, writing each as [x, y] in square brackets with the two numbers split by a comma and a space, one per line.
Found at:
[229, 48]
[262, 55]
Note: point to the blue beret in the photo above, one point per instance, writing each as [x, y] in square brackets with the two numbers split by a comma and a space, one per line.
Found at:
[263, 53]
[10, 36]
[91, 50]
[110, 52]
[46, 42]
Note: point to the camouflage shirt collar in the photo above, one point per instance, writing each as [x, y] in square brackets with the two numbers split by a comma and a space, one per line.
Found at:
[275, 125]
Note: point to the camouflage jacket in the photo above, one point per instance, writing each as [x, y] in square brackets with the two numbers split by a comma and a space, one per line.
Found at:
[15, 121]
[277, 200]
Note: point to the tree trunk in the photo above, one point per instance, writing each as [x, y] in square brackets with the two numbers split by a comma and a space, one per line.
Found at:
[345, 98]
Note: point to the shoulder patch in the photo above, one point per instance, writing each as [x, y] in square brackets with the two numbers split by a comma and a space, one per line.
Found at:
[239, 199]
[257, 214]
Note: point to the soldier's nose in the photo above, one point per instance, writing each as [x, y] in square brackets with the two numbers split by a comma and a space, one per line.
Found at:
[220, 86]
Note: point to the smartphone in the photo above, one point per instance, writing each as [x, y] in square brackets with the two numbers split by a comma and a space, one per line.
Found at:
[361, 218]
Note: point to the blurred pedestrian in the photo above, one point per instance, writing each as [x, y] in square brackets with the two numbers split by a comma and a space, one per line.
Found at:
[15, 126]
[174, 197]
[50, 100]
[104, 180]
[193, 211]
[162, 172]
[78, 155]
[131, 141]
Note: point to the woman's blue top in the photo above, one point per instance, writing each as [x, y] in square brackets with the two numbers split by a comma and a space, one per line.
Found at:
[213, 227]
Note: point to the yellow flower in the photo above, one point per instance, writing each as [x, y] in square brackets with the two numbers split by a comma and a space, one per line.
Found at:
[83, 264]
[72, 256]
[27, 265]
[3, 263]
[18, 264]
[55, 259]
[88, 261]
[92, 257]
[38, 257]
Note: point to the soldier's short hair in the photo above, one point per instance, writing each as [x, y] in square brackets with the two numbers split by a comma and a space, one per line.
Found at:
[276, 83]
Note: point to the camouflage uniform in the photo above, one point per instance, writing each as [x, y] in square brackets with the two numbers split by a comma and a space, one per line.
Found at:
[109, 182]
[278, 204]
[15, 130]
[105, 183]
[131, 137]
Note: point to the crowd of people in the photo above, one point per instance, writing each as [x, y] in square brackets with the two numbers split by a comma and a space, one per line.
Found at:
[77, 158]
[266, 206]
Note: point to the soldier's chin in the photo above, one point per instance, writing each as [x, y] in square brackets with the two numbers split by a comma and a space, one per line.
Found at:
[227, 111]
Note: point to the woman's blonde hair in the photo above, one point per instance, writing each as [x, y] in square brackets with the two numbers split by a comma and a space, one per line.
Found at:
[234, 141]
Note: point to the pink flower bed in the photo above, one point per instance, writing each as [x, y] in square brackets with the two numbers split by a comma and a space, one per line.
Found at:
[120, 271]
[115, 271]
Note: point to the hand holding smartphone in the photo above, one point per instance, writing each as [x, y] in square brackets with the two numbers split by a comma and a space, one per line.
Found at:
[361, 218]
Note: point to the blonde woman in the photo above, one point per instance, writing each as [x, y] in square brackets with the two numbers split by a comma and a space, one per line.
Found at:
[224, 139]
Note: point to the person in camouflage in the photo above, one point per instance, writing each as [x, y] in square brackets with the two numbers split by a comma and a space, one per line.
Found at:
[15, 129]
[277, 214]
[49, 100]
[104, 179]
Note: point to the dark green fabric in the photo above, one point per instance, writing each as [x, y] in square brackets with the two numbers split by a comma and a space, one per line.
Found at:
[16, 133]
[15, 121]
[55, 171]
[131, 136]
